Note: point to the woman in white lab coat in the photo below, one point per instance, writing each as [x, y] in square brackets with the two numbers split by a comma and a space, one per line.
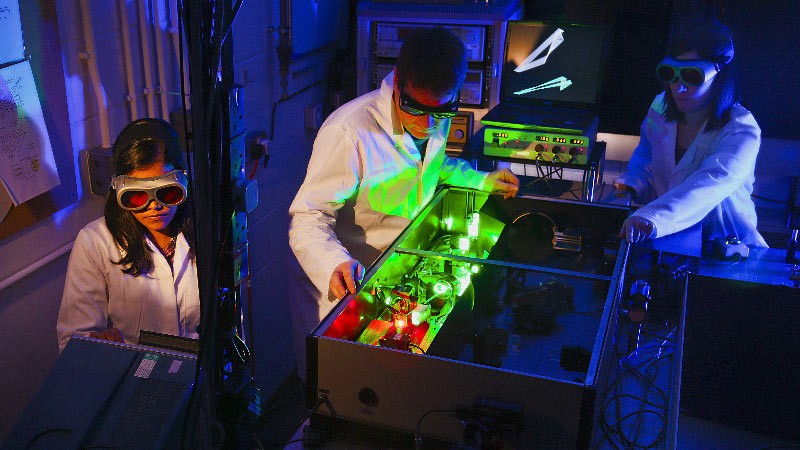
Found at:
[697, 152]
[133, 269]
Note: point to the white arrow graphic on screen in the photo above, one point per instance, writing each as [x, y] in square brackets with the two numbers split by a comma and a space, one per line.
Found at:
[533, 60]
[560, 82]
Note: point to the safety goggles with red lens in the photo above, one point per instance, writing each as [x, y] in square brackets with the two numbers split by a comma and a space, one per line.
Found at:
[134, 194]
[692, 72]
[413, 107]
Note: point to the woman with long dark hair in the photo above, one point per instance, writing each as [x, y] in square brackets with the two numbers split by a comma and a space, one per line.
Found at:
[133, 269]
[697, 153]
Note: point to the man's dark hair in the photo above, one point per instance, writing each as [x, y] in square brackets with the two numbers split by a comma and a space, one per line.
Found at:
[713, 42]
[433, 59]
[139, 153]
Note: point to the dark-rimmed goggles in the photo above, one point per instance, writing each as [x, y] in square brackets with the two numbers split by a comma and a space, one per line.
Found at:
[411, 106]
[135, 194]
[693, 72]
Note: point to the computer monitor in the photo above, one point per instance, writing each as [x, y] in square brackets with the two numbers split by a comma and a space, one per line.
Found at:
[552, 64]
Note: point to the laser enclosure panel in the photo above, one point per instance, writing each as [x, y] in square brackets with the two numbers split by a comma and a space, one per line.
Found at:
[478, 297]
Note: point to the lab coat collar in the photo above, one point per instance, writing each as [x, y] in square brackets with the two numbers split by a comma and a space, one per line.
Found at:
[180, 259]
[698, 141]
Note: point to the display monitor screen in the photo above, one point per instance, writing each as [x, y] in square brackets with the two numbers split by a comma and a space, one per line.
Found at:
[549, 63]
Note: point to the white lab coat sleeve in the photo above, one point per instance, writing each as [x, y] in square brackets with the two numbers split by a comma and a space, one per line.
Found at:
[639, 174]
[334, 171]
[457, 172]
[730, 162]
[84, 303]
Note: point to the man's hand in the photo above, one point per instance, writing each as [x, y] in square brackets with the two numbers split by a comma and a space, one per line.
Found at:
[636, 229]
[502, 182]
[624, 187]
[345, 278]
[111, 334]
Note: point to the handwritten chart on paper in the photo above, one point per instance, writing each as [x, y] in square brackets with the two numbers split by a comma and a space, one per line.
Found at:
[10, 32]
[27, 166]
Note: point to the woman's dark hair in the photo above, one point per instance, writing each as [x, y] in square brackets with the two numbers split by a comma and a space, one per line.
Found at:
[433, 59]
[712, 42]
[133, 151]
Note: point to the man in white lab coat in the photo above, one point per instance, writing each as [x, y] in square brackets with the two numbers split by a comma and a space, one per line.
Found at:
[376, 162]
[697, 153]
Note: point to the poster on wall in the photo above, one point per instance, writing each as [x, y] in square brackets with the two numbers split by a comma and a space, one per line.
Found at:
[10, 32]
[27, 166]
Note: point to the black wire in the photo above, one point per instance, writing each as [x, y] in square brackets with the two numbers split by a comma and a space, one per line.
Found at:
[189, 169]
[314, 409]
[417, 434]
[417, 346]
[47, 431]
[289, 97]
[234, 13]
[203, 384]
[612, 432]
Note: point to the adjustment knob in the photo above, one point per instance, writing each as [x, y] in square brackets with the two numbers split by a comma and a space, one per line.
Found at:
[539, 148]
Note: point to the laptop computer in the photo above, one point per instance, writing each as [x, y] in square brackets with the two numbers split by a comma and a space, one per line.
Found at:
[551, 77]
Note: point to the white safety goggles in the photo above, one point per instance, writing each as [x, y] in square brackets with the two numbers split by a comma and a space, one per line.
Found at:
[692, 72]
[134, 194]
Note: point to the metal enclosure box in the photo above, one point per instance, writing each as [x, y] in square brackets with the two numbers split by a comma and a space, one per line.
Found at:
[511, 300]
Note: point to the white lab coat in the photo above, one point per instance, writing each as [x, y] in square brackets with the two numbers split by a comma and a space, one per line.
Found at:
[98, 295]
[711, 183]
[365, 182]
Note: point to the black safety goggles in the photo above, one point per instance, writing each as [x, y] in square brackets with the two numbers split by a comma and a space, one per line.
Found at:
[691, 72]
[134, 194]
[411, 106]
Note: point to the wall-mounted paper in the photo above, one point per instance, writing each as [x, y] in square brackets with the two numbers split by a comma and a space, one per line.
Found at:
[10, 32]
[27, 166]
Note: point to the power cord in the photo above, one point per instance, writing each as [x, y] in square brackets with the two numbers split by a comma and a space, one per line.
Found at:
[320, 401]
[418, 434]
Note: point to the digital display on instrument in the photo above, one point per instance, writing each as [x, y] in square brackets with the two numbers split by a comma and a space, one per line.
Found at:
[542, 138]
[577, 141]
[560, 140]
[500, 135]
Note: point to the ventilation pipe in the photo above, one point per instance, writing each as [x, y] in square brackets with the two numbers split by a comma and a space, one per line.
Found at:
[126, 47]
[90, 56]
[162, 88]
[148, 85]
[285, 46]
